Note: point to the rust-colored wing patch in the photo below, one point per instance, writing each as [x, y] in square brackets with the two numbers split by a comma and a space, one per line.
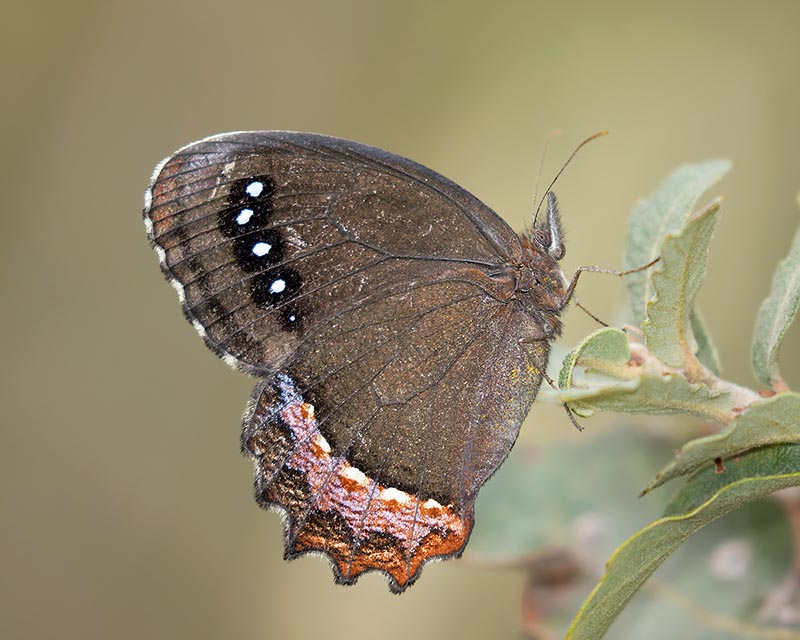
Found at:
[336, 508]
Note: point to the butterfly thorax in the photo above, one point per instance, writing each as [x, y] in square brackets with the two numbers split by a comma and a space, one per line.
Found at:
[540, 288]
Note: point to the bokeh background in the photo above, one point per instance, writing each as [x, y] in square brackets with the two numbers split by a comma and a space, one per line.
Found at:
[126, 507]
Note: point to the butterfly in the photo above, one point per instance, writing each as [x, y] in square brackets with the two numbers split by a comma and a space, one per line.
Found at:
[399, 327]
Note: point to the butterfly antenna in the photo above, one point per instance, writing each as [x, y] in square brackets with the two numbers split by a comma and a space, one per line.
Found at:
[599, 134]
[548, 138]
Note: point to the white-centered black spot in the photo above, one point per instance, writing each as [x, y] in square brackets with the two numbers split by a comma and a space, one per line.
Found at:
[248, 206]
[275, 286]
[258, 250]
[291, 317]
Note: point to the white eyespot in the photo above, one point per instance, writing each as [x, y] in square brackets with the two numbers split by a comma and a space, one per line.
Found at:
[431, 504]
[261, 249]
[292, 318]
[254, 189]
[278, 286]
[244, 216]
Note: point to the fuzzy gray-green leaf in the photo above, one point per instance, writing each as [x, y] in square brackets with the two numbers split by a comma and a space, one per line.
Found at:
[704, 498]
[684, 255]
[667, 394]
[664, 212]
[776, 314]
[774, 420]
[707, 352]
[604, 352]
[616, 381]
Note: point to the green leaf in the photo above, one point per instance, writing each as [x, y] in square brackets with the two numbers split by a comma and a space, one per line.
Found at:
[705, 497]
[774, 461]
[605, 351]
[776, 314]
[706, 351]
[629, 384]
[710, 588]
[771, 421]
[666, 394]
[664, 212]
[684, 255]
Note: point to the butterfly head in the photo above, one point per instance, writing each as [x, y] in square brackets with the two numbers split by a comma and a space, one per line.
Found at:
[542, 282]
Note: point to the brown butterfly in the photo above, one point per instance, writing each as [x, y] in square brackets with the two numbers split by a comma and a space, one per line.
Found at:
[400, 329]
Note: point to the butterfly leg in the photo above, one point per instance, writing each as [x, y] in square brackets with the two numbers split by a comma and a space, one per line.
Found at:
[570, 412]
[574, 282]
[589, 313]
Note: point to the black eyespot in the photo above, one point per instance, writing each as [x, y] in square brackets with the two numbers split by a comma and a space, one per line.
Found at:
[258, 250]
[292, 317]
[275, 286]
[249, 206]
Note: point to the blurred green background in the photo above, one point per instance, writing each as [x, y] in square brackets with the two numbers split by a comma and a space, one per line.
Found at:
[126, 507]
